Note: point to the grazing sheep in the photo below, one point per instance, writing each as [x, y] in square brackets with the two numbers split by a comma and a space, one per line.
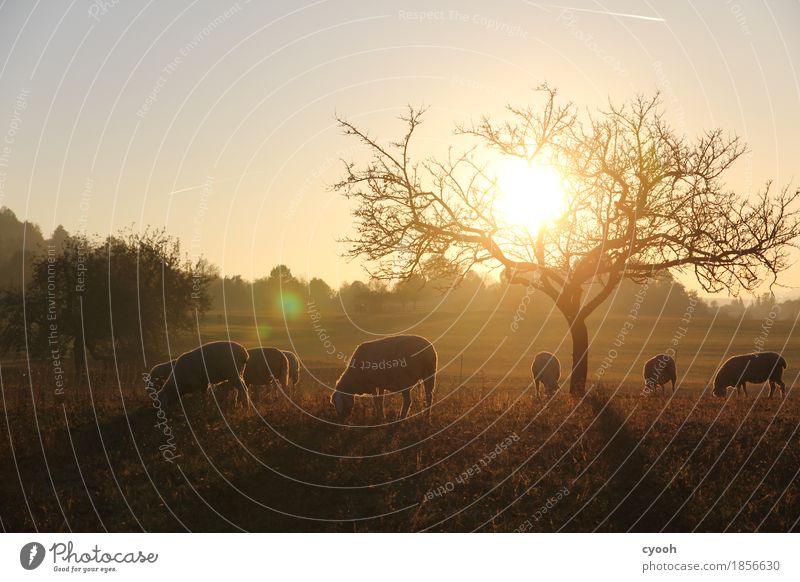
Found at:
[396, 364]
[159, 374]
[658, 371]
[294, 368]
[208, 365]
[546, 370]
[265, 366]
[757, 367]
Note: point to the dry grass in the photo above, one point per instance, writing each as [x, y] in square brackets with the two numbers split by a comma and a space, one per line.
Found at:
[629, 463]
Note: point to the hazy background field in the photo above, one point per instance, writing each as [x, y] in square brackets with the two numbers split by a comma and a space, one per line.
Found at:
[89, 459]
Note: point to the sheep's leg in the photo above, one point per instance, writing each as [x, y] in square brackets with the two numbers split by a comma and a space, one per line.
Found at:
[241, 389]
[429, 385]
[771, 388]
[744, 387]
[406, 403]
[783, 387]
[428, 404]
[377, 403]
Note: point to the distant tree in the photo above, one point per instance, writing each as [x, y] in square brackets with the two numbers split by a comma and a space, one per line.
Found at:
[409, 291]
[640, 200]
[230, 293]
[278, 293]
[360, 297]
[59, 238]
[665, 296]
[321, 294]
[20, 243]
[112, 299]
[281, 274]
[377, 295]
[735, 308]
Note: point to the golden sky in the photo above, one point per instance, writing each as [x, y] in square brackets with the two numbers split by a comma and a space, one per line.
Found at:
[216, 119]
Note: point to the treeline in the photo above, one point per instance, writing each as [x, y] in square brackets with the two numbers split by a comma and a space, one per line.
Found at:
[281, 293]
[125, 296]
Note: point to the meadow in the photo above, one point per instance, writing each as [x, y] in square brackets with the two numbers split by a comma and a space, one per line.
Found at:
[492, 458]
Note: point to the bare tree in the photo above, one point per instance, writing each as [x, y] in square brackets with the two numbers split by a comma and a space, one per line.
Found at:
[640, 200]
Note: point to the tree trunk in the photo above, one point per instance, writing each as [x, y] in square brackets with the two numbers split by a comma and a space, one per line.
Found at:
[580, 357]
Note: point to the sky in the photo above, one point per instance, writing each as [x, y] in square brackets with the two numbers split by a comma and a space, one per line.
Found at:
[216, 119]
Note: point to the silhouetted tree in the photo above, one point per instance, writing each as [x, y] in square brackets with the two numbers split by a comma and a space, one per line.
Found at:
[20, 243]
[640, 200]
[114, 298]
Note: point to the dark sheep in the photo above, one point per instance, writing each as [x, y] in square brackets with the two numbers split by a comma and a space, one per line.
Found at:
[756, 368]
[159, 374]
[396, 364]
[546, 371]
[208, 365]
[658, 371]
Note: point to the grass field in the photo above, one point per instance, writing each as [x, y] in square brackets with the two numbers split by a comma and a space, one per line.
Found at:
[492, 458]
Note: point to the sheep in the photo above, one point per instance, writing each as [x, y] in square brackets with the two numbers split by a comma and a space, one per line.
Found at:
[658, 371]
[546, 371]
[396, 364]
[208, 365]
[757, 367]
[294, 368]
[266, 365]
[159, 374]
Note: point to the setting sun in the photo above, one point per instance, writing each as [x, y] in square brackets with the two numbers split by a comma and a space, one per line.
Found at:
[529, 194]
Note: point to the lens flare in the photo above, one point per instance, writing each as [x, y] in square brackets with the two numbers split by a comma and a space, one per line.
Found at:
[290, 305]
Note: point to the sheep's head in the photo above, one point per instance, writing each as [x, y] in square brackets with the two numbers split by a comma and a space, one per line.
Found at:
[168, 392]
[720, 388]
[343, 403]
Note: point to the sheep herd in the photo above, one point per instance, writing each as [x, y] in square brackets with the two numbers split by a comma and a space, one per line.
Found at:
[397, 364]
[736, 372]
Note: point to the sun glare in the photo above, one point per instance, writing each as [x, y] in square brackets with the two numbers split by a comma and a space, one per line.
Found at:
[529, 195]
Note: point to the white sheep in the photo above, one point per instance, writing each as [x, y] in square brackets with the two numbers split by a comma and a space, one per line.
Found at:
[396, 364]
[210, 364]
